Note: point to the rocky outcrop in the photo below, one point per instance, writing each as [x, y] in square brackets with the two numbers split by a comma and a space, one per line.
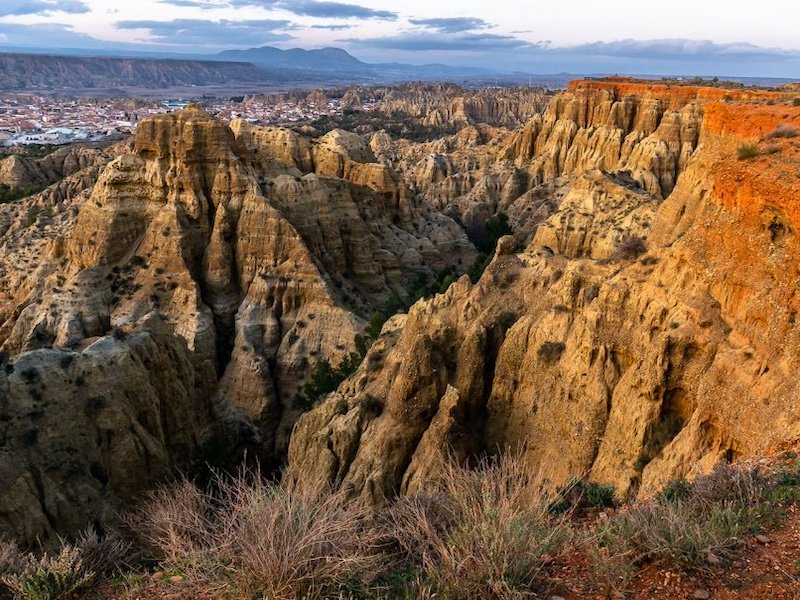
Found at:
[449, 105]
[216, 257]
[84, 432]
[596, 216]
[628, 372]
[33, 173]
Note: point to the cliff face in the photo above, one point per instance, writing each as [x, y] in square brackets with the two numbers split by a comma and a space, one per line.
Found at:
[632, 372]
[647, 138]
[25, 172]
[448, 105]
[209, 279]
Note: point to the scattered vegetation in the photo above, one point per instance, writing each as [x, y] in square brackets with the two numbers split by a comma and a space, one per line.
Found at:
[32, 151]
[10, 193]
[796, 102]
[691, 527]
[581, 495]
[747, 151]
[550, 352]
[485, 239]
[398, 125]
[676, 491]
[326, 378]
[507, 319]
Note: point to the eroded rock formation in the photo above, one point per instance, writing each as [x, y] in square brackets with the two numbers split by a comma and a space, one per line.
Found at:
[630, 372]
[206, 272]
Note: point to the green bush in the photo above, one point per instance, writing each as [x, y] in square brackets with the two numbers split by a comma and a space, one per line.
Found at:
[550, 352]
[326, 378]
[747, 151]
[507, 319]
[796, 102]
[11, 194]
[676, 491]
[581, 494]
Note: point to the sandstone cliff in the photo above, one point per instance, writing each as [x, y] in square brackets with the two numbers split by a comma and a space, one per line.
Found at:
[628, 372]
[26, 172]
[209, 272]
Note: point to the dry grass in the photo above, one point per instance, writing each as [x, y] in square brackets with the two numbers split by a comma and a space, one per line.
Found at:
[485, 531]
[482, 533]
[706, 526]
[259, 539]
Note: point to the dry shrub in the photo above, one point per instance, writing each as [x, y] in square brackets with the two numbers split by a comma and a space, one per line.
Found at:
[742, 486]
[689, 532]
[74, 567]
[105, 555]
[747, 151]
[783, 131]
[11, 559]
[174, 525]
[630, 247]
[483, 533]
[261, 539]
[48, 577]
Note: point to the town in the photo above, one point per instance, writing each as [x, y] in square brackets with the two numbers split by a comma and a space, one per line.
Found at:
[36, 120]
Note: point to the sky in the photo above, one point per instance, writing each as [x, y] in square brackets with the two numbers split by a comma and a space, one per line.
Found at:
[686, 37]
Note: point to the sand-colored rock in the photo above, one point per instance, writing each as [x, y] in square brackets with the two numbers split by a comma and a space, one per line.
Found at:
[247, 271]
[630, 373]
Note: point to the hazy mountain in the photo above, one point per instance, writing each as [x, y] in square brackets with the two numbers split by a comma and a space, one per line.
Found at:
[341, 62]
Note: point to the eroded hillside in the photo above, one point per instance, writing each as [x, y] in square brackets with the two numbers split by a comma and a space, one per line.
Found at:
[187, 295]
[632, 370]
[177, 302]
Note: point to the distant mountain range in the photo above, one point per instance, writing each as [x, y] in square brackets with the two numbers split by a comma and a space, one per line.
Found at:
[257, 69]
[340, 61]
[47, 73]
[233, 72]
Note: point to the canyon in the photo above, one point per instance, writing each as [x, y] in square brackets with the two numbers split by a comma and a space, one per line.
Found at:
[175, 295]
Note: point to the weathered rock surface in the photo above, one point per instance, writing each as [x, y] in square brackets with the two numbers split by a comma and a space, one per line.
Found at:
[25, 172]
[629, 372]
[243, 265]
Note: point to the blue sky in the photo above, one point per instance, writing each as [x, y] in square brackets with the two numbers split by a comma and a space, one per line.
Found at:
[581, 36]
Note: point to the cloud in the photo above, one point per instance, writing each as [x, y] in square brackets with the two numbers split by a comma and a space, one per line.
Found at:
[331, 27]
[336, 10]
[57, 35]
[41, 7]
[677, 49]
[464, 42]
[304, 8]
[202, 4]
[321, 10]
[452, 25]
[206, 32]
